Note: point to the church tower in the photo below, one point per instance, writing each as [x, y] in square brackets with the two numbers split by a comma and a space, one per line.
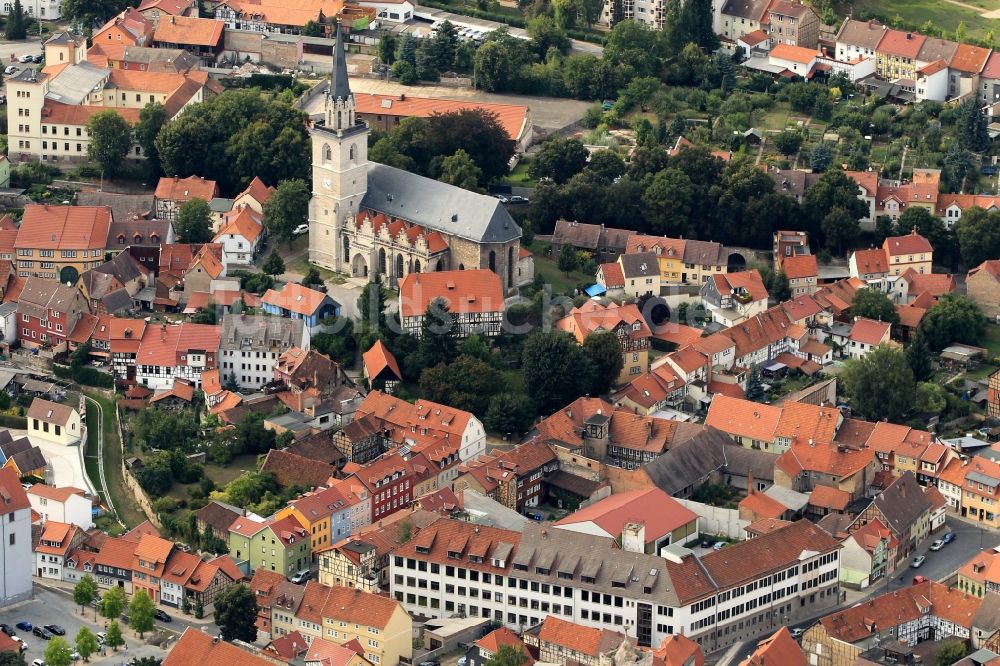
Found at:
[339, 168]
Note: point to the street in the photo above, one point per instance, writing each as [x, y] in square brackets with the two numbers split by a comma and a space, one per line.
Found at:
[939, 566]
[55, 606]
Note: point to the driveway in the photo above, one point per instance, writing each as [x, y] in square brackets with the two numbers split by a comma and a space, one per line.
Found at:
[546, 112]
[65, 462]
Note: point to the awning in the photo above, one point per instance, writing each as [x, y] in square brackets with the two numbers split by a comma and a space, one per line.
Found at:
[774, 367]
[595, 290]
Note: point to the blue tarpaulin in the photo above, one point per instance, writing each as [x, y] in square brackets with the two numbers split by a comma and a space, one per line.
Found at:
[595, 290]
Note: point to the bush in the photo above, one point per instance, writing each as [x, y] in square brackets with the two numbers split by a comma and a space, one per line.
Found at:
[85, 376]
[15, 422]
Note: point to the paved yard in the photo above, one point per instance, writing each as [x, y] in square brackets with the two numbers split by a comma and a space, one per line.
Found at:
[64, 461]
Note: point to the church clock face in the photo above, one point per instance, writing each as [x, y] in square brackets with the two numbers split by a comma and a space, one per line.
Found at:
[327, 183]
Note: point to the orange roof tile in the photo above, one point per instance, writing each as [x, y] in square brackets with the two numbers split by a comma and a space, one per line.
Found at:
[64, 227]
[512, 117]
[245, 223]
[257, 191]
[743, 418]
[471, 291]
[780, 648]
[377, 359]
[163, 345]
[912, 243]
[901, 44]
[185, 189]
[871, 261]
[869, 331]
[762, 506]
[188, 31]
[195, 647]
[969, 59]
[612, 274]
[578, 638]
[828, 497]
[792, 53]
[800, 266]
[295, 298]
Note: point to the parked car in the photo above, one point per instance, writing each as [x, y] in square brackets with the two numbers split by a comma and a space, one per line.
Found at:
[301, 229]
[20, 641]
[502, 198]
[919, 579]
[10, 69]
[948, 537]
[797, 632]
[918, 561]
[101, 637]
[719, 545]
[7, 629]
[24, 625]
[707, 543]
[55, 629]
[534, 515]
[42, 633]
[37, 59]
[24, 58]
[937, 545]
[517, 199]
[38, 662]
[301, 577]
[162, 616]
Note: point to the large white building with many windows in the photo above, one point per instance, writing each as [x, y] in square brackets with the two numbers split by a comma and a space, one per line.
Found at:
[732, 595]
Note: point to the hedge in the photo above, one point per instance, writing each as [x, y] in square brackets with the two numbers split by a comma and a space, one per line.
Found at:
[16, 422]
[84, 375]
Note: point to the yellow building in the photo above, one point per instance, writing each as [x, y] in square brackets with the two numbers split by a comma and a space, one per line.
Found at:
[896, 54]
[315, 510]
[669, 255]
[909, 251]
[61, 242]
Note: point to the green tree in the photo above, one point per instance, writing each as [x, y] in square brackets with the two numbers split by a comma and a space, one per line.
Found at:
[312, 276]
[58, 652]
[951, 650]
[670, 201]
[953, 319]
[437, 340]
[788, 142]
[467, 384]
[605, 355]
[459, 170]
[84, 592]
[146, 661]
[880, 385]
[978, 234]
[113, 603]
[312, 29]
[17, 24]
[86, 643]
[558, 159]
[508, 655]
[589, 11]
[755, 387]
[287, 208]
[606, 165]
[509, 413]
[405, 72]
[140, 611]
[972, 125]
[445, 45]
[11, 659]
[821, 157]
[493, 66]
[387, 48]
[236, 614]
[274, 264]
[476, 131]
[569, 260]
[194, 222]
[199, 609]
[873, 304]
[930, 398]
[88, 12]
[110, 141]
[113, 636]
[152, 118]
[840, 229]
[556, 370]
[918, 355]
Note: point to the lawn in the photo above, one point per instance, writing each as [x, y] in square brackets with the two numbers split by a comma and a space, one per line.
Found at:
[944, 15]
[549, 270]
[519, 176]
[220, 474]
[128, 511]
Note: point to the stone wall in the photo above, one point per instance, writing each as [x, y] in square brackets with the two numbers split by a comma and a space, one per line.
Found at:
[717, 520]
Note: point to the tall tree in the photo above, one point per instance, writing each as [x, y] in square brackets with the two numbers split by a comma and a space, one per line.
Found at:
[58, 652]
[274, 265]
[287, 208]
[880, 385]
[152, 118]
[437, 339]
[86, 643]
[110, 140]
[113, 603]
[509, 413]
[978, 234]
[953, 319]
[459, 170]
[113, 636]
[479, 133]
[194, 222]
[569, 259]
[605, 355]
[556, 370]
[696, 24]
[873, 304]
[918, 355]
[387, 46]
[972, 125]
[445, 45]
[670, 199]
[140, 611]
[17, 24]
[84, 592]
[236, 614]
[559, 159]
[839, 229]
[11, 659]
[88, 12]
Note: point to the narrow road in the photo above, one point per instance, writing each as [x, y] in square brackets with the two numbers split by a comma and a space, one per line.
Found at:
[100, 458]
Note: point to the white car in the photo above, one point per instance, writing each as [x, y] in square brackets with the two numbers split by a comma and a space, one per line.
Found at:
[918, 562]
[10, 69]
[25, 58]
[937, 545]
[301, 229]
[719, 545]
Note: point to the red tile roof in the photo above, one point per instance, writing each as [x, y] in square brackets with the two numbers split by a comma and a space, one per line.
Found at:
[743, 418]
[749, 282]
[869, 331]
[901, 44]
[592, 317]
[871, 261]
[295, 298]
[578, 638]
[377, 359]
[780, 648]
[185, 189]
[64, 227]
[512, 117]
[195, 647]
[492, 642]
[828, 497]
[912, 243]
[613, 276]
[188, 31]
[969, 59]
[163, 345]
[762, 506]
[660, 513]
[472, 291]
[800, 266]
[246, 223]
[798, 54]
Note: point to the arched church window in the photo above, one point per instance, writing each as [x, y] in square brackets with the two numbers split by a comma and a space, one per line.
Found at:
[493, 261]
[353, 153]
[327, 153]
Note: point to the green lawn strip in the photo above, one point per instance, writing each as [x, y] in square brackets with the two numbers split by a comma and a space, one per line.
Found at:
[128, 511]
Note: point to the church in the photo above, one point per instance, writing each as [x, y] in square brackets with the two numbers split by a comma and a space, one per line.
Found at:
[366, 217]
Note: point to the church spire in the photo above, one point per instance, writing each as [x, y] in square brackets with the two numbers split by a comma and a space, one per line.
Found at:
[339, 86]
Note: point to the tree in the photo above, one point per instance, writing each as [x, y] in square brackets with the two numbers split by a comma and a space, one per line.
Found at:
[558, 159]
[605, 355]
[445, 45]
[58, 652]
[146, 661]
[113, 603]
[569, 260]
[918, 355]
[467, 384]
[606, 165]
[509, 413]
[140, 612]
[951, 650]
[387, 48]
[459, 170]
[880, 385]
[312, 276]
[236, 614]
[152, 118]
[546, 33]
[110, 141]
[508, 655]
[84, 592]
[437, 342]
[287, 208]
[755, 387]
[274, 265]
[194, 221]
[476, 131]
[840, 229]
[11, 659]
[788, 142]
[972, 125]
[953, 319]
[556, 370]
[17, 24]
[86, 643]
[978, 234]
[113, 636]
[88, 12]
[312, 29]
[494, 67]
[670, 201]
[930, 398]
[199, 609]
[873, 304]
[821, 157]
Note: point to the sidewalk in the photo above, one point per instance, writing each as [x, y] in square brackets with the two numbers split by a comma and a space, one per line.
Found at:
[67, 589]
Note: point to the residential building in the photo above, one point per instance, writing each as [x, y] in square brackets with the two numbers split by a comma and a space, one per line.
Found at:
[155, 9]
[113, 565]
[983, 286]
[604, 243]
[184, 351]
[278, 544]
[641, 274]
[390, 481]
[514, 478]
[54, 543]
[872, 266]
[865, 336]
[733, 298]
[48, 313]
[149, 563]
[47, 10]
[643, 520]
[195, 647]
[61, 242]
[114, 286]
[669, 254]
[489, 645]
[54, 422]
[520, 579]
[897, 54]
[857, 40]
[217, 516]
[15, 541]
[740, 17]
[298, 302]
[474, 300]
[65, 47]
[911, 286]
[65, 505]
[201, 37]
[905, 510]
[793, 23]
[703, 259]
[802, 273]
[264, 16]
[981, 574]
[367, 217]
[241, 235]
[981, 491]
[559, 641]
[624, 321]
[908, 615]
[780, 648]
[254, 196]
[249, 347]
[323, 513]
[868, 555]
[171, 193]
[910, 251]
[381, 368]
[964, 69]
[798, 61]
